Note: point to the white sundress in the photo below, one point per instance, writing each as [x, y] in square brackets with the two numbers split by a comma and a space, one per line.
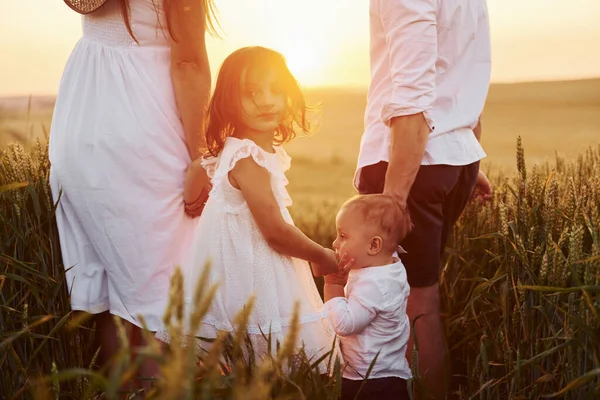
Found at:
[244, 264]
[119, 159]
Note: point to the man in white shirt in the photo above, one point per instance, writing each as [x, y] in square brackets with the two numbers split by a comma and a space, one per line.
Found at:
[430, 73]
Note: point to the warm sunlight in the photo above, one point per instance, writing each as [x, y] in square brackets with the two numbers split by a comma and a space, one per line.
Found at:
[304, 63]
[326, 42]
[171, 229]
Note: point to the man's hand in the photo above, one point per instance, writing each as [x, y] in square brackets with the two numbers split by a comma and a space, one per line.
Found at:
[196, 189]
[483, 188]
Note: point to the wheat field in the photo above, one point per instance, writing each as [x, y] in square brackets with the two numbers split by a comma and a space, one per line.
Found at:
[520, 283]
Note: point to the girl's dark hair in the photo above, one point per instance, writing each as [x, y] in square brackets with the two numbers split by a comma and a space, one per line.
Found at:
[225, 105]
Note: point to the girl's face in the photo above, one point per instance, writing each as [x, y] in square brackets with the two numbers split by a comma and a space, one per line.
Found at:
[263, 101]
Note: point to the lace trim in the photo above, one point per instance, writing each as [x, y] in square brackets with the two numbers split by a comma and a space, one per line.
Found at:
[284, 158]
[210, 165]
[217, 169]
[248, 149]
[251, 150]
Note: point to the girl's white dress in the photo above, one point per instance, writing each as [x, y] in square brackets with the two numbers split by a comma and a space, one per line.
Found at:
[244, 264]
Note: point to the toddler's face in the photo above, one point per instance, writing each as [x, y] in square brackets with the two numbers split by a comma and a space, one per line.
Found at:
[353, 237]
[263, 101]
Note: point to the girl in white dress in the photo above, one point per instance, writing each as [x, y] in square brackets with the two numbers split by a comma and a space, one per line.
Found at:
[245, 230]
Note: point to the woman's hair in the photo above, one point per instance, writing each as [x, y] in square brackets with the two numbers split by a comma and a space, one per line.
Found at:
[225, 107]
[209, 8]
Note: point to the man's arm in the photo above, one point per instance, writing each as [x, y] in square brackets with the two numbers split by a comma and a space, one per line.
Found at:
[407, 145]
[411, 35]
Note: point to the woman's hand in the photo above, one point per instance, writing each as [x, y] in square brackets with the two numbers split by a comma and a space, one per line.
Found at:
[196, 189]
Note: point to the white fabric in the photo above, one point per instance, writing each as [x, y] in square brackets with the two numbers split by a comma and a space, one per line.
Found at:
[243, 263]
[119, 157]
[372, 318]
[433, 57]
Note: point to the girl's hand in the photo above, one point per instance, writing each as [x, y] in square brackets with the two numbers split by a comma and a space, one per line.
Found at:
[327, 265]
[196, 189]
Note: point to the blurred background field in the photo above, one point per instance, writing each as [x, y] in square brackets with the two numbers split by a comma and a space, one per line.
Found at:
[551, 117]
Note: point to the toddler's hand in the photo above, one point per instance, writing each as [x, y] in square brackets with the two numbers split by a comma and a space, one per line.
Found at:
[345, 264]
[327, 265]
[338, 278]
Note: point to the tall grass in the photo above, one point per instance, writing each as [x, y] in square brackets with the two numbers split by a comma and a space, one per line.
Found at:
[34, 307]
[520, 295]
[521, 285]
[44, 352]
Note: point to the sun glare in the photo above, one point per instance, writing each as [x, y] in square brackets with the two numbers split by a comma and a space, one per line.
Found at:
[304, 63]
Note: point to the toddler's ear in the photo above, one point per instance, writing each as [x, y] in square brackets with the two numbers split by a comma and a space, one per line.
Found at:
[375, 245]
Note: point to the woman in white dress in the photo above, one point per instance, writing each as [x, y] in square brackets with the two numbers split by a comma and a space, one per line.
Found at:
[246, 231]
[127, 124]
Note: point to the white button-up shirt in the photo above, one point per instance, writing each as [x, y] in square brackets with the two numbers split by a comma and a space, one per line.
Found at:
[372, 318]
[429, 56]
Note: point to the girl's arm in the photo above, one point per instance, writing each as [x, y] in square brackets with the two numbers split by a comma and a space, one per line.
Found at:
[190, 70]
[255, 183]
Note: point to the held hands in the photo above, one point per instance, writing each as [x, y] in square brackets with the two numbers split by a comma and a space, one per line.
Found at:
[332, 268]
[340, 277]
[196, 189]
[328, 263]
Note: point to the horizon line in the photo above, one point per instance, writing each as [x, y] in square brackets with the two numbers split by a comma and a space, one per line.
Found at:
[358, 87]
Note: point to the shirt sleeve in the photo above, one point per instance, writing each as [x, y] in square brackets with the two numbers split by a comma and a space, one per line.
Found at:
[410, 28]
[352, 315]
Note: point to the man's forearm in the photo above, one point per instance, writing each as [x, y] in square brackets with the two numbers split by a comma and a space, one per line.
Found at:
[408, 138]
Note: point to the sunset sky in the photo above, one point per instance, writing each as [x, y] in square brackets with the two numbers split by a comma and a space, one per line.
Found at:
[325, 41]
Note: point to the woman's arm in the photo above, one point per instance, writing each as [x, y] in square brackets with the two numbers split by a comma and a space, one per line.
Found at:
[190, 70]
[255, 183]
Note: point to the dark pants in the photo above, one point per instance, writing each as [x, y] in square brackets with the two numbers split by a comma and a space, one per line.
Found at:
[375, 389]
[436, 200]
